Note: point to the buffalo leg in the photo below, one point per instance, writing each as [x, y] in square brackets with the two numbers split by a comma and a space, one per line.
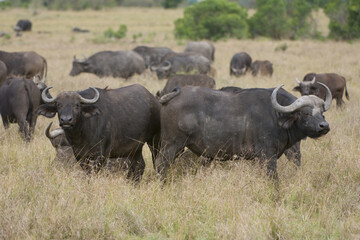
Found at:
[137, 167]
[339, 102]
[166, 157]
[32, 122]
[5, 122]
[24, 129]
[293, 154]
[154, 145]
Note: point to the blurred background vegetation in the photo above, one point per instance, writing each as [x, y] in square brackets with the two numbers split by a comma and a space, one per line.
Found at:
[221, 19]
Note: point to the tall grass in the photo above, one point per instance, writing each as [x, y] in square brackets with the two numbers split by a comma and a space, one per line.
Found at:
[232, 200]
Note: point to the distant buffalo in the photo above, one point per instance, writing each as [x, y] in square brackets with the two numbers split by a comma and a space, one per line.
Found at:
[204, 48]
[80, 30]
[181, 80]
[123, 64]
[19, 98]
[240, 64]
[24, 64]
[23, 25]
[335, 82]
[152, 56]
[182, 62]
[264, 68]
[3, 72]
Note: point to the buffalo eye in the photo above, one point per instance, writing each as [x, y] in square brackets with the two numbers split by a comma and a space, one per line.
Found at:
[313, 88]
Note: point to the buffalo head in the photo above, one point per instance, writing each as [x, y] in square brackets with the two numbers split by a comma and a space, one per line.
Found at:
[305, 113]
[79, 66]
[307, 87]
[163, 71]
[70, 106]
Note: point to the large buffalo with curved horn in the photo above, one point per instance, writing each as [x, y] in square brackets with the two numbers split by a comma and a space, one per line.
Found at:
[100, 124]
[335, 82]
[251, 123]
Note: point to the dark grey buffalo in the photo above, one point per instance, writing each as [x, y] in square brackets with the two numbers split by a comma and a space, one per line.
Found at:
[123, 64]
[240, 64]
[264, 68]
[19, 99]
[3, 72]
[80, 30]
[253, 123]
[24, 64]
[23, 25]
[335, 82]
[293, 153]
[181, 80]
[182, 62]
[204, 48]
[102, 123]
[153, 56]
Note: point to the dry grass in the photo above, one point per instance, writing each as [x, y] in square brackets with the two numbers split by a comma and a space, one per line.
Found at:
[224, 201]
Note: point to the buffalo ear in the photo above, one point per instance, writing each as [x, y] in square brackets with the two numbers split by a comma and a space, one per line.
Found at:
[89, 111]
[47, 110]
[287, 121]
[297, 88]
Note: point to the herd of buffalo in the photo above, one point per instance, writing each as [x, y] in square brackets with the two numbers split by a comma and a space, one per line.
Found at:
[102, 128]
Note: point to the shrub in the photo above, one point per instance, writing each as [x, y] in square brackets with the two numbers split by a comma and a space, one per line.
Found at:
[344, 19]
[270, 19]
[170, 3]
[120, 33]
[212, 19]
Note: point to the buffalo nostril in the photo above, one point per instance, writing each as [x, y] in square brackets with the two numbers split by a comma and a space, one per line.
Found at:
[324, 125]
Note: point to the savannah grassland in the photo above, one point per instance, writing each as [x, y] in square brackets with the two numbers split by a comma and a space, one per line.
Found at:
[232, 200]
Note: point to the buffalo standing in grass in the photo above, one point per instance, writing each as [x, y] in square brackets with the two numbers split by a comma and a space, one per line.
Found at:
[19, 99]
[335, 82]
[181, 80]
[240, 64]
[23, 25]
[182, 62]
[264, 68]
[152, 56]
[123, 64]
[204, 48]
[100, 124]
[253, 123]
[24, 64]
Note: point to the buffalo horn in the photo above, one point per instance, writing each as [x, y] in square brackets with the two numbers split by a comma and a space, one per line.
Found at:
[45, 98]
[234, 70]
[313, 80]
[89, 101]
[328, 98]
[167, 67]
[297, 80]
[300, 102]
[53, 134]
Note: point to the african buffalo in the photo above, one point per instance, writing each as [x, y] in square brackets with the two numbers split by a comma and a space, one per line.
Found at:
[333, 81]
[181, 80]
[3, 72]
[80, 30]
[204, 48]
[182, 62]
[240, 63]
[265, 68]
[24, 64]
[102, 123]
[293, 153]
[123, 64]
[253, 123]
[19, 99]
[152, 56]
[23, 25]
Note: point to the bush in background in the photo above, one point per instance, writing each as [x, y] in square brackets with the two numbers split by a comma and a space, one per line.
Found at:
[171, 3]
[120, 33]
[344, 19]
[212, 19]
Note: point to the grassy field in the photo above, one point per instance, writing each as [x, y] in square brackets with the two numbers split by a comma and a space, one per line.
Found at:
[233, 200]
